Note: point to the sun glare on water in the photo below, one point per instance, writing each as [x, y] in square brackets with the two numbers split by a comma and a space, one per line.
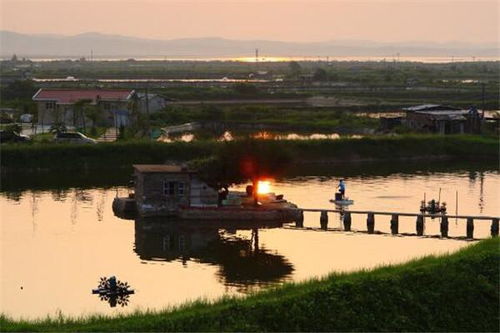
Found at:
[263, 186]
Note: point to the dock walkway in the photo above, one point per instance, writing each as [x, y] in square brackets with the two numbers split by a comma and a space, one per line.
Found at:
[419, 223]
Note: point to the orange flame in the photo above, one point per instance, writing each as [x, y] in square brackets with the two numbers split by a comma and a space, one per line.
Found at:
[263, 186]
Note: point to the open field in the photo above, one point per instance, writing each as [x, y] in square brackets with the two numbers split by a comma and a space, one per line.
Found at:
[457, 292]
[371, 86]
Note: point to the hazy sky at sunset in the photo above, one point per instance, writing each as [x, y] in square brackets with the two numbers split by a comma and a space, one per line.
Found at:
[286, 20]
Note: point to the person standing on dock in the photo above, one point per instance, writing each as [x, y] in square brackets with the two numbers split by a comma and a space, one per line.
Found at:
[341, 188]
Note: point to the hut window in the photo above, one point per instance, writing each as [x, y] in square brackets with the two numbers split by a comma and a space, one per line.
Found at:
[180, 189]
[182, 243]
[169, 188]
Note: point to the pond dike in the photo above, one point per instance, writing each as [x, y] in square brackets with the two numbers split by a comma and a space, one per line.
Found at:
[52, 157]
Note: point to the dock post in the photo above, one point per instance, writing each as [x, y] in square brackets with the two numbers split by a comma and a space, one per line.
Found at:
[470, 227]
[347, 221]
[420, 225]
[370, 223]
[394, 224]
[494, 228]
[299, 222]
[323, 219]
[444, 226]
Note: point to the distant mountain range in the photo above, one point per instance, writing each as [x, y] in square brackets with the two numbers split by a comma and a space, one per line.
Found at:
[50, 45]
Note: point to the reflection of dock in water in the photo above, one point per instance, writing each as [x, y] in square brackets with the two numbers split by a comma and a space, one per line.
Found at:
[242, 261]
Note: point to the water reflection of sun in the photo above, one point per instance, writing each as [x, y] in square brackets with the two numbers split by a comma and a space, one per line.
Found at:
[263, 186]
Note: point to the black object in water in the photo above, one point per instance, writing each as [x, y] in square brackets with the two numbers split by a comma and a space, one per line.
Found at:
[113, 291]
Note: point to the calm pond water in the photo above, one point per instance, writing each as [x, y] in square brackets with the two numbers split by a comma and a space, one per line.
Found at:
[58, 238]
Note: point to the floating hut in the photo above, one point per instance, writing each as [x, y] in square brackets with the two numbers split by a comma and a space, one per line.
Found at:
[177, 191]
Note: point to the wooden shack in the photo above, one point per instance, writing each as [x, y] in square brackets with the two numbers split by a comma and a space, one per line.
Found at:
[162, 190]
[443, 119]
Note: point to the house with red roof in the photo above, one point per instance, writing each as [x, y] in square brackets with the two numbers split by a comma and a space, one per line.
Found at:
[112, 106]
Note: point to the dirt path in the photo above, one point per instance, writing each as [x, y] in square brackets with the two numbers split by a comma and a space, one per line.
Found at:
[242, 101]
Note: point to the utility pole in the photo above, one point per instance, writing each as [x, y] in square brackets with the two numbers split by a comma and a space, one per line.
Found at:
[256, 59]
[148, 131]
[482, 93]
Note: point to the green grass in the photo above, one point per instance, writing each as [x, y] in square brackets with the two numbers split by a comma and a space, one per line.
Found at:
[50, 156]
[280, 117]
[457, 292]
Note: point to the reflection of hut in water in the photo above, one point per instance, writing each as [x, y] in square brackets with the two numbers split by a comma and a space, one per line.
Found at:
[242, 261]
[171, 241]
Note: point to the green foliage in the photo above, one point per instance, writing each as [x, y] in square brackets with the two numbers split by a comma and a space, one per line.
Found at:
[284, 118]
[295, 68]
[245, 89]
[320, 75]
[239, 161]
[124, 154]
[212, 113]
[20, 89]
[58, 127]
[121, 133]
[457, 292]
[13, 128]
[174, 115]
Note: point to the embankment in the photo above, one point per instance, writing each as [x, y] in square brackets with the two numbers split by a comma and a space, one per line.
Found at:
[123, 154]
[457, 292]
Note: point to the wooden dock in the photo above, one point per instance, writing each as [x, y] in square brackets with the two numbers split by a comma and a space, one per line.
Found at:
[394, 222]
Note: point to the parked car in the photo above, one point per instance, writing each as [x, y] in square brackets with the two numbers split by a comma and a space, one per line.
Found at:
[12, 136]
[72, 137]
[26, 118]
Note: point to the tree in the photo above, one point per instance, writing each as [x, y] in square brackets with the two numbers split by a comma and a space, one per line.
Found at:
[320, 75]
[295, 68]
[79, 112]
[19, 89]
[94, 113]
[239, 161]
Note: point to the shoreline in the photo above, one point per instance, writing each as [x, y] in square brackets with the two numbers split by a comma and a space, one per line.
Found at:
[54, 157]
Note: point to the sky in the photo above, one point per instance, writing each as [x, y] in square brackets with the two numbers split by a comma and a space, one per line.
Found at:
[285, 20]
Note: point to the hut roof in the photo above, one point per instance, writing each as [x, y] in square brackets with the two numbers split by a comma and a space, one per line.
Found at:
[162, 168]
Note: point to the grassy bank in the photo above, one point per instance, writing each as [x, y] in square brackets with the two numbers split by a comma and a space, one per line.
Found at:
[457, 292]
[279, 117]
[115, 155]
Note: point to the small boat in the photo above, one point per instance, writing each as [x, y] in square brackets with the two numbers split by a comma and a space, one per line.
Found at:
[338, 200]
[344, 202]
[433, 206]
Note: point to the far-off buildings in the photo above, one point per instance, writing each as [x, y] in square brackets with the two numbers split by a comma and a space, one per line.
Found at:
[76, 107]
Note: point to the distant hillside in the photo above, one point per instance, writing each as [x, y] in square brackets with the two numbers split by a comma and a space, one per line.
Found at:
[120, 46]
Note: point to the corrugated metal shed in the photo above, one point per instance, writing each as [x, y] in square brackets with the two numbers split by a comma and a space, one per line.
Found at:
[430, 107]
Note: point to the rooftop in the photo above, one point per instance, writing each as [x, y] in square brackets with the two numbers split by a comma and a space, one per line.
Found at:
[71, 96]
[161, 168]
[430, 107]
[445, 114]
